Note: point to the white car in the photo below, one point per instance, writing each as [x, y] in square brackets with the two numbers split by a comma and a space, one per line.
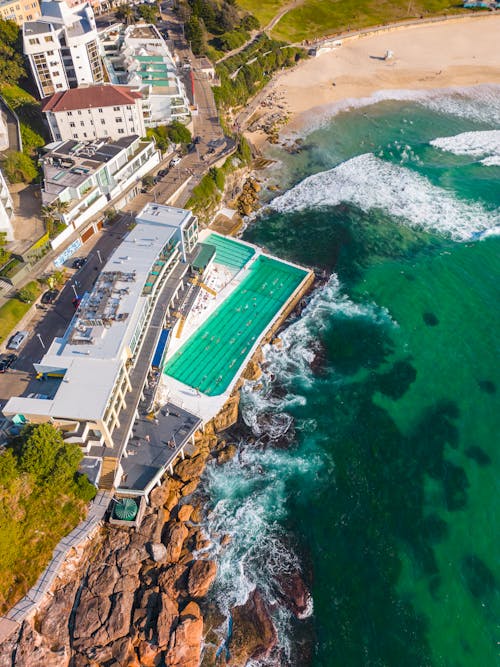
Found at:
[17, 340]
[175, 161]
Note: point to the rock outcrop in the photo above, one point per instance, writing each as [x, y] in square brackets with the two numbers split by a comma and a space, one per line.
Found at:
[201, 577]
[254, 635]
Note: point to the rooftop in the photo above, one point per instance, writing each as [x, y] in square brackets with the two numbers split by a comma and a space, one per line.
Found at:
[70, 163]
[144, 32]
[92, 349]
[91, 97]
[36, 27]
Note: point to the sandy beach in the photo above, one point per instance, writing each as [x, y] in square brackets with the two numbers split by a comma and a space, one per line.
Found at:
[460, 52]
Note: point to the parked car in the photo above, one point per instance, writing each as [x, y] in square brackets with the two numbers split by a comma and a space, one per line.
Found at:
[6, 362]
[17, 340]
[42, 396]
[79, 262]
[162, 173]
[175, 161]
[50, 296]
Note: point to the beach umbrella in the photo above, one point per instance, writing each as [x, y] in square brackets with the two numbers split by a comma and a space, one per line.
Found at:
[126, 509]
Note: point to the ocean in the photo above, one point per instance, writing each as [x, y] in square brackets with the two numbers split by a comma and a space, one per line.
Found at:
[370, 455]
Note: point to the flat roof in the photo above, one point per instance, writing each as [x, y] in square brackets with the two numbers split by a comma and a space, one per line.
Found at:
[92, 348]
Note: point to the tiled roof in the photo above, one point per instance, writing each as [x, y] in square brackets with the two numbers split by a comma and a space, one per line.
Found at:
[90, 97]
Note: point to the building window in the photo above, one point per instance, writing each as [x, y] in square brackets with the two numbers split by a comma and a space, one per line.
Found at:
[59, 85]
[72, 125]
[70, 113]
[120, 131]
[118, 119]
[103, 122]
[75, 136]
[101, 110]
[48, 38]
[82, 123]
[116, 108]
[79, 112]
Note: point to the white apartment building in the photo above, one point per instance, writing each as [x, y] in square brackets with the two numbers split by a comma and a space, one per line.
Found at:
[138, 56]
[6, 210]
[88, 370]
[95, 112]
[87, 176]
[62, 47]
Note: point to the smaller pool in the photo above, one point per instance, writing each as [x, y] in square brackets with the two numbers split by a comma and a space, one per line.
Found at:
[229, 252]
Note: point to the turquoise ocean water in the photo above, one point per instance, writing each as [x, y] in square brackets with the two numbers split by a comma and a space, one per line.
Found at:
[371, 458]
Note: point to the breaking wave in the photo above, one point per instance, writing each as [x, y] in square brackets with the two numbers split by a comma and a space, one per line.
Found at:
[372, 183]
[249, 495]
[475, 144]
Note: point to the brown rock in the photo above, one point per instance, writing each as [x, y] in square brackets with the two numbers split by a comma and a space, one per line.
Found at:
[159, 495]
[190, 487]
[149, 654]
[225, 540]
[201, 577]
[184, 513]
[32, 650]
[166, 616]
[197, 514]
[174, 539]
[171, 579]
[92, 612]
[185, 642]
[254, 634]
[228, 415]
[172, 501]
[54, 623]
[190, 468]
[118, 623]
[226, 454]
[253, 371]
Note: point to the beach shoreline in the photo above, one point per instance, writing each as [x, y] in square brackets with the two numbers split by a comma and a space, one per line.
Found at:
[427, 56]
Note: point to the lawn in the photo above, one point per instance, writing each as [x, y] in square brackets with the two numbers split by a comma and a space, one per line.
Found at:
[264, 10]
[10, 315]
[317, 18]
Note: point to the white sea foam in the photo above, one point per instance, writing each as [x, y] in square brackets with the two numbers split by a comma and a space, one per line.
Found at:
[474, 144]
[371, 183]
[478, 103]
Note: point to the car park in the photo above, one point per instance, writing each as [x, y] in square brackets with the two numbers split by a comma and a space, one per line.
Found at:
[17, 340]
[50, 296]
[6, 362]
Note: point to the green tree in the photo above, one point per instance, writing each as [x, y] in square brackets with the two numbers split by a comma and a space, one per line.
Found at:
[126, 14]
[178, 133]
[194, 32]
[8, 468]
[9, 33]
[28, 293]
[19, 168]
[44, 455]
[11, 65]
[149, 13]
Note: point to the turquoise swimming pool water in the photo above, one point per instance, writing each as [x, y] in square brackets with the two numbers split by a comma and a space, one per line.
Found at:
[209, 360]
[229, 252]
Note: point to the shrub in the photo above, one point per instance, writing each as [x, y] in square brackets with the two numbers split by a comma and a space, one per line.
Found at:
[29, 292]
[178, 133]
[19, 167]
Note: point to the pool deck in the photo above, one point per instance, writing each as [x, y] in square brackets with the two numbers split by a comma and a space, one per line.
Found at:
[191, 399]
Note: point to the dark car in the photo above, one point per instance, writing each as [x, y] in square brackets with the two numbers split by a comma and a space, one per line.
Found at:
[6, 362]
[79, 262]
[162, 173]
[50, 296]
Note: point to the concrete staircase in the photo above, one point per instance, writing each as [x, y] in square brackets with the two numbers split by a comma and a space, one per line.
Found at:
[108, 472]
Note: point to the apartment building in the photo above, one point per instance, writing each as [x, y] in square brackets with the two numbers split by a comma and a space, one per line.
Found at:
[86, 373]
[62, 47]
[95, 112]
[87, 176]
[19, 10]
[6, 210]
[138, 56]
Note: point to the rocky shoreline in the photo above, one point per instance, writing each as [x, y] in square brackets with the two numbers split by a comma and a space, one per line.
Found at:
[138, 598]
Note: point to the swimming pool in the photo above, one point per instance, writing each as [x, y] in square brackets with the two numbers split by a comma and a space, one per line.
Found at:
[229, 252]
[210, 358]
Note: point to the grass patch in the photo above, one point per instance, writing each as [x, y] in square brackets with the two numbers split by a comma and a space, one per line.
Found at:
[42, 498]
[317, 18]
[33, 130]
[264, 10]
[12, 312]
